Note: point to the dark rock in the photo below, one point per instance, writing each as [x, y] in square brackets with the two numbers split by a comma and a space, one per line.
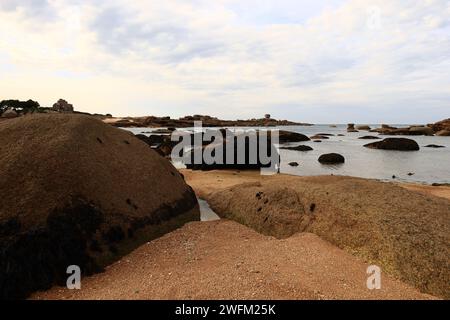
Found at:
[400, 144]
[319, 137]
[288, 136]
[434, 146]
[369, 138]
[299, 148]
[250, 162]
[294, 164]
[331, 158]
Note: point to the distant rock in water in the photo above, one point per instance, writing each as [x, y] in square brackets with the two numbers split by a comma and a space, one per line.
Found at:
[294, 164]
[326, 134]
[400, 144]
[443, 133]
[299, 148]
[369, 138]
[289, 136]
[76, 191]
[351, 128]
[434, 146]
[363, 127]
[319, 137]
[331, 158]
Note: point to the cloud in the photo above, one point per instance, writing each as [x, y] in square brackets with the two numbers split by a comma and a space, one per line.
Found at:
[296, 59]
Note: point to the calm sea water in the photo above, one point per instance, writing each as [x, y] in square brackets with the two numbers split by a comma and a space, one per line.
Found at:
[428, 165]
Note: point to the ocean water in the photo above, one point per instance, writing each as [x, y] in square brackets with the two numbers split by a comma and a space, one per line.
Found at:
[427, 165]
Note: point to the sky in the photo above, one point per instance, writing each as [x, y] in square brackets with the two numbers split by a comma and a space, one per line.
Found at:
[338, 61]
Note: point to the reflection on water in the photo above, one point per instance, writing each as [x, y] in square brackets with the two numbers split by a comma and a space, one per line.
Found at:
[206, 213]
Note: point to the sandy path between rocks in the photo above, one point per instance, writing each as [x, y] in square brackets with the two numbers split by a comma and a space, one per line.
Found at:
[225, 260]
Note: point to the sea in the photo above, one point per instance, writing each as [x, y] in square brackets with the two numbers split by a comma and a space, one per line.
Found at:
[427, 166]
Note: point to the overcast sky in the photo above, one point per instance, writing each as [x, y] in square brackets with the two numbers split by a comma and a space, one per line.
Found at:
[333, 61]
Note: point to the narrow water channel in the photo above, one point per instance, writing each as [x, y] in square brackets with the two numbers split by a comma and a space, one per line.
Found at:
[206, 213]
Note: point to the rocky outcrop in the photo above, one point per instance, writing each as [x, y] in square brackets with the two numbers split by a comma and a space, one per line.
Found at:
[207, 121]
[363, 127]
[62, 106]
[400, 144]
[331, 158]
[441, 125]
[369, 138]
[443, 133]
[76, 191]
[408, 131]
[421, 130]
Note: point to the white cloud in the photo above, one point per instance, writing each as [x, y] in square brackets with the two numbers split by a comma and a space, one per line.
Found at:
[232, 58]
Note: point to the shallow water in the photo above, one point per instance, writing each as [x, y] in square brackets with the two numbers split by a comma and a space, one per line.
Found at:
[206, 213]
[428, 165]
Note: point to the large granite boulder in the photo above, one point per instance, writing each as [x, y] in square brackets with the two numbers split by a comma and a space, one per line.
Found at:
[76, 191]
[400, 144]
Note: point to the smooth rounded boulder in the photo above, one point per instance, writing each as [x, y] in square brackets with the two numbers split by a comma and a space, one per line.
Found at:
[331, 158]
[400, 144]
[76, 191]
